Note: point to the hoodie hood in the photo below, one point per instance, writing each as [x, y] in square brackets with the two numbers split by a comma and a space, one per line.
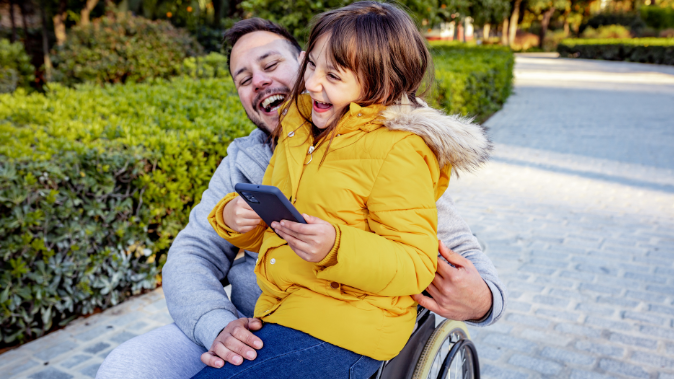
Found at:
[454, 139]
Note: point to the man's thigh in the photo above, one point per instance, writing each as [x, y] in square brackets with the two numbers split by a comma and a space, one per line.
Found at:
[165, 353]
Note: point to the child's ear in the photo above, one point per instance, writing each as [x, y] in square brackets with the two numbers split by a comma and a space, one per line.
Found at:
[300, 58]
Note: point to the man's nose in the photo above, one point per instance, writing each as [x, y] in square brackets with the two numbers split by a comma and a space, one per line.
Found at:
[261, 81]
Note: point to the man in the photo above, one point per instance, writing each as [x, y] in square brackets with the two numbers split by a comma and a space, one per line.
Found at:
[210, 329]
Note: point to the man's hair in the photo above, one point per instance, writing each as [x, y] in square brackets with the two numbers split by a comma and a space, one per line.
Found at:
[243, 27]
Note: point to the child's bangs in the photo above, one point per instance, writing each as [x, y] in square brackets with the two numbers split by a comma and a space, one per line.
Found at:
[342, 48]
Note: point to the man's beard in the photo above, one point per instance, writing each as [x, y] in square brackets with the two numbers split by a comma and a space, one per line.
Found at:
[255, 117]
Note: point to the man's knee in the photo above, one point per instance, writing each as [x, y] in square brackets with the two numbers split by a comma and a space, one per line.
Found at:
[165, 352]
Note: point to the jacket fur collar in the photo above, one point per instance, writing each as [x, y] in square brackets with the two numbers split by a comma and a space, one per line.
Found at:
[454, 139]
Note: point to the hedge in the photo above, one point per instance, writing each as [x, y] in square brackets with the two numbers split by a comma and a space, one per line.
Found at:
[471, 80]
[15, 67]
[122, 48]
[644, 50]
[96, 181]
[657, 17]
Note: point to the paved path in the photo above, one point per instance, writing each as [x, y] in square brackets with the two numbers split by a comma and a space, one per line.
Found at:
[577, 209]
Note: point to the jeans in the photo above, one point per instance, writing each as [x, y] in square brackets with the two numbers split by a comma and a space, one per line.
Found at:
[290, 354]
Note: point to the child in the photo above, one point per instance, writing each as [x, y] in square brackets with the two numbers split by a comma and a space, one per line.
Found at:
[365, 161]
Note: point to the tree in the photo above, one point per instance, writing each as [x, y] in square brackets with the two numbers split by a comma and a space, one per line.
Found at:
[545, 9]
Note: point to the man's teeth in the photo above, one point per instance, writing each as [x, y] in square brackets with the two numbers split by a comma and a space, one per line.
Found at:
[271, 99]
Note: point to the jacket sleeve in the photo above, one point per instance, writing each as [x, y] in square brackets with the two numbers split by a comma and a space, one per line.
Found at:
[251, 240]
[456, 235]
[197, 261]
[400, 257]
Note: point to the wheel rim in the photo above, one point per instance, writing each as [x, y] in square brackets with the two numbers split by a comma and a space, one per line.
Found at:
[457, 367]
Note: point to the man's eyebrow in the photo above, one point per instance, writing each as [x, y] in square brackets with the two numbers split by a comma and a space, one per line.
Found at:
[259, 59]
[239, 71]
[267, 54]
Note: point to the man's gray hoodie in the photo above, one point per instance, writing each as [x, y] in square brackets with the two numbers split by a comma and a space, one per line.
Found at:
[199, 260]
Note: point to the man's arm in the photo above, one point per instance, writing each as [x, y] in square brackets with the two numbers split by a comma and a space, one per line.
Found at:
[198, 260]
[456, 235]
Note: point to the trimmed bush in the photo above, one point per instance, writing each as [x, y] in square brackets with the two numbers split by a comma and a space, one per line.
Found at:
[213, 65]
[658, 18]
[15, 67]
[644, 50]
[607, 31]
[120, 49]
[471, 80]
[95, 183]
[629, 20]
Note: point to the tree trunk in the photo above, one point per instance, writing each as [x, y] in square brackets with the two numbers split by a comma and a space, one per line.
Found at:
[45, 43]
[217, 13]
[60, 22]
[86, 11]
[11, 19]
[232, 7]
[544, 25]
[485, 31]
[514, 18]
[504, 33]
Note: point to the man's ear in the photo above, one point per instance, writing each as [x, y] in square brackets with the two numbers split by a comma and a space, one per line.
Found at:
[300, 57]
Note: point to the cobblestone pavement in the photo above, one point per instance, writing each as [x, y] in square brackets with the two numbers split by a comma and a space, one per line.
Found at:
[577, 210]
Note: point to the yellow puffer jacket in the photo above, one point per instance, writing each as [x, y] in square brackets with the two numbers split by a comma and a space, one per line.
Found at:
[377, 186]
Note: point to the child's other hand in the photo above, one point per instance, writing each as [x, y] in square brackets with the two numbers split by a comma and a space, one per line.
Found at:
[239, 216]
[311, 241]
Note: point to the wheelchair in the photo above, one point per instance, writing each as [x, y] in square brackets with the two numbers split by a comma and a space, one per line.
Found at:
[442, 352]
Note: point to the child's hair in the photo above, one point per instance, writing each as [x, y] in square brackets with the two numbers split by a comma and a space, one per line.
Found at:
[381, 45]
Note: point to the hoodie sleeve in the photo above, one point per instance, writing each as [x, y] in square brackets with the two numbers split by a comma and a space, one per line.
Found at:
[197, 262]
[400, 257]
[457, 236]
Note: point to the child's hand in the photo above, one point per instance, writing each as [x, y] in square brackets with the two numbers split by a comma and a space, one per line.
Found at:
[311, 241]
[239, 216]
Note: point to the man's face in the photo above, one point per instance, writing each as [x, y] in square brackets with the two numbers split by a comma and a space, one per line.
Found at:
[264, 67]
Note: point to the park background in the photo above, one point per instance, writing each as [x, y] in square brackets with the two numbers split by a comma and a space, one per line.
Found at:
[114, 115]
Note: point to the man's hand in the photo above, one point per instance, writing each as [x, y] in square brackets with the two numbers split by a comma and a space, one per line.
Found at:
[234, 343]
[311, 241]
[240, 216]
[459, 293]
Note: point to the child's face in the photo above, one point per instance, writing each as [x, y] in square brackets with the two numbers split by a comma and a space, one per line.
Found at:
[331, 88]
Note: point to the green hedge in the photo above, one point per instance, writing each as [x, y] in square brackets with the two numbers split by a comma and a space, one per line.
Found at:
[471, 80]
[95, 183]
[658, 18]
[120, 49]
[644, 50]
[16, 71]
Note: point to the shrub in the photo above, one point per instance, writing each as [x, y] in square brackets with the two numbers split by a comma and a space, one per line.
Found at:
[607, 31]
[95, 183]
[629, 20]
[658, 18]
[644, 50]
[120, 49]
[15, 67]
[473, 81]
[213, 65]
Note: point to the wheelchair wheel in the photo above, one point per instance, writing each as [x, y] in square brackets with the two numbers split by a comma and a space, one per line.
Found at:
[448, 354]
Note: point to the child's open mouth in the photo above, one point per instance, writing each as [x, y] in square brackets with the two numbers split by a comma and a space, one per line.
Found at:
[321, 107]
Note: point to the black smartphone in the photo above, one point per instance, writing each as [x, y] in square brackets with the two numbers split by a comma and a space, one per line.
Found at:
[269, 203]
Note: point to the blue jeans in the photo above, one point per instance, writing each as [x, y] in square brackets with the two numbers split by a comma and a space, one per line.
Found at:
[291, 354]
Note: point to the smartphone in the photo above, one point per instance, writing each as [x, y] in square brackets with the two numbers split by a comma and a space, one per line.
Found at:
[269, 203]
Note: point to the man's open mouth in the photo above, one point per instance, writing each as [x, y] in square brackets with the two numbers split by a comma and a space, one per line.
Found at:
[272, 103]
